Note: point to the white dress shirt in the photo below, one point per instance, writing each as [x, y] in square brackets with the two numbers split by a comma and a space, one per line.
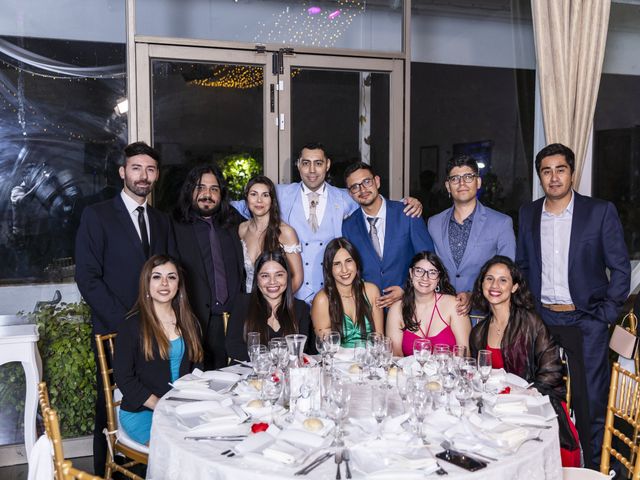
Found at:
[555, 239]
[380, 224]
[322, 201]
[131, 205]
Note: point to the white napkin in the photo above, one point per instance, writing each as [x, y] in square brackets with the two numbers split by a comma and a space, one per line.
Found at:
[344, 354]
[397, 473]
[191, 409]
[525, 418]
[300, 437]
[225, 415]
[509, 438]
[327, 426]
[254, 442]
[391, 457]
[219, 428]
[506, 405]
[262, 412]
[221, 376]
[196, 393]
[191, 381]
[514, 379]
[41, 459]
[283, 452]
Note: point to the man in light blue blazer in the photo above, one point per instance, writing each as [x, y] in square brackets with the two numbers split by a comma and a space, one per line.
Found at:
[468, 234]
[386, 239]
[316, 210]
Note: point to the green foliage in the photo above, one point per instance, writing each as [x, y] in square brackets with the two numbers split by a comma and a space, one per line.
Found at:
[238, 170]
[68, 364]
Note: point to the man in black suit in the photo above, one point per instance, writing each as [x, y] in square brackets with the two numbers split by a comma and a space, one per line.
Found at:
[209, 249]
[114, 239]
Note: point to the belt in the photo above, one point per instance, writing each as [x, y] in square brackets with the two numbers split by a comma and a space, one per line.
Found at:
[560, 307]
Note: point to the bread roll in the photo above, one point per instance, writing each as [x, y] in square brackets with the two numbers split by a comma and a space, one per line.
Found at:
[313, 424]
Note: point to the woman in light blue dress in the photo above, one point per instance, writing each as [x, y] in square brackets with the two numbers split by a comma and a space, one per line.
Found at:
[156, 344]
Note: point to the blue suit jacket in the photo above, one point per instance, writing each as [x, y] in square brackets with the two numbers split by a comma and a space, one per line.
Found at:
[491, 234]
[597, 243]
[403, 238]
[109, 258]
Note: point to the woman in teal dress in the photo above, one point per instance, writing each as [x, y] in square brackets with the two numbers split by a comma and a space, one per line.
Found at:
[346, 304]
[156, 344]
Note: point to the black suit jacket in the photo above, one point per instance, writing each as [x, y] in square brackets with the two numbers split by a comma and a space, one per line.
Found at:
[596, 244]
[199, 286]
[109, 258]
[136, 377]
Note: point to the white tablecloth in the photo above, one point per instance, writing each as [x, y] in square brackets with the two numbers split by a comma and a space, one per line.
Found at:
[172, 458]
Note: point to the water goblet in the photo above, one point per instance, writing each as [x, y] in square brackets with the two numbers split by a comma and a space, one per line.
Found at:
[468, 369]
[274, 349]
[359, 354]
[442, 353]
[421, 352]
[331, 342]
[463, 393]
[449, 381]
[371, 360]
[339, 397]
[459, 352]
[434, 387]
[271, 391]
[484, 366]
[379, 405]
[320, 347]
[420, 400]
[386, 356]
[262, 363]
[254, 351]
[402, 381]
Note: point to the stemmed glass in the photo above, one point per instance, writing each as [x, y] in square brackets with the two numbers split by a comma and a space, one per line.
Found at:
[379, 405]
[359, 354]
[459, 353]
[279, 352]
[331, 345]
[371, 359]
[449, 381]
[271, 390]
[262, 364]
[421, 352]
[321, 347]
[339, 398]
[434, 387]
[420, 399]
[463, 393]
[403, 386]
[442, 353]
[484, 367]
[386, 356]
[253, 340]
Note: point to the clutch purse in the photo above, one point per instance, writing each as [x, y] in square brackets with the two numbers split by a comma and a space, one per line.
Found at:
[624, 340]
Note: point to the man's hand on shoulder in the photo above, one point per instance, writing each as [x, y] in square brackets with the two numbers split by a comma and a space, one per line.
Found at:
[390, 295]
[413, 207]
[463, 303]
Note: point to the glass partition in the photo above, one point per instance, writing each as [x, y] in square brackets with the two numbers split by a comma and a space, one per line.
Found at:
[351, 24]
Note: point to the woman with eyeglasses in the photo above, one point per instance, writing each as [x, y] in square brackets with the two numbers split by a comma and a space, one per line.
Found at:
[265, 231]
[427, 310]
[346, 304]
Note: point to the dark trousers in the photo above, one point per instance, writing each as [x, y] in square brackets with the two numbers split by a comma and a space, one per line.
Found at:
[589, 366]
[215, 353]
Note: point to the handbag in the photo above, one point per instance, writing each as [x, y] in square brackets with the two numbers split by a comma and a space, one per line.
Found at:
[624, 340]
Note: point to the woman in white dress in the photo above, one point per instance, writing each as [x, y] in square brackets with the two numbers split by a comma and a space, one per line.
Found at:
[265, 232]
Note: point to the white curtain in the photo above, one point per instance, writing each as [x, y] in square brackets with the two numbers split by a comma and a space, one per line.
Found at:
[570, 37]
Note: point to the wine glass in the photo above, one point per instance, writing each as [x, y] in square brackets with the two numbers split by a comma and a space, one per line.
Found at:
[254, 351]
[320, 346]
[359, 354]
[442, 353]
[262, 363]
[275, 344]
[386, 356]
[463, 393]
[271, 390]
[331, 342]
[420, 400]
[339, 400]
[434, 387]
[449, 381]
[379, 405]
[484, 367]
[371, 360]
[402, 384]
[421, 352]
[468, 369]
[459, 352]
[253, 339]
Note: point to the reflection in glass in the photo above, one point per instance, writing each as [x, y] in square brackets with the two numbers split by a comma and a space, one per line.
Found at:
[346, 111]
[206, 112]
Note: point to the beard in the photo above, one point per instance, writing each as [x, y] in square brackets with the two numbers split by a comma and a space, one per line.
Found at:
[205, 211]
[141, 189]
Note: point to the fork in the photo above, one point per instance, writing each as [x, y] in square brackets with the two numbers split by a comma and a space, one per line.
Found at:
[338, 462]
[345, 457]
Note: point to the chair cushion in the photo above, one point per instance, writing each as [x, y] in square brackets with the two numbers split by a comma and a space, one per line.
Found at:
[121, 435]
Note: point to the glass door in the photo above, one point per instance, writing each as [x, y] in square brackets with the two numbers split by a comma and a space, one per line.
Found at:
[206, 105]
[354, 106]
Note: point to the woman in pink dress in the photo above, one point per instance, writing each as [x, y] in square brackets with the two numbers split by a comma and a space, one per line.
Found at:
[427, 310]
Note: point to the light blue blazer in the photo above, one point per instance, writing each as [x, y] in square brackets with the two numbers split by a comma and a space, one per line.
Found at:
[491, 234]
[339, 206]
[403, 237]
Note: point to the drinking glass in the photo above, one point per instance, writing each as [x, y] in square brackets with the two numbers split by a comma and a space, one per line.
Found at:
[468, 369]
[386, 356]
[359, 354]
[442, 353]
[339, 399]
[331, 345]
[421, 352]
[379, 405]
[262, 363]
[371, 360]
[254, 351]
[275, 347]
[464, 392]
[271, 390]
[434, 387]
[420, 400]
[402, 385]
[484, 367]
[459, 352]
[449, 381]
[320, 347]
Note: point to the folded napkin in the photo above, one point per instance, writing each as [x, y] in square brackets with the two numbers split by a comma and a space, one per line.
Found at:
[515, 380]
[283, 452]
[231, 414]
[509, 438]
[191, 409]
[504, 405]
[525, 418]
[302, 438]
[255, 442]
[382, 457]
[344, 354]
[196, 393]
[397, 473]
[221, 376]
[327, 426]
[262, 412]
[219, 428]
[484, 422]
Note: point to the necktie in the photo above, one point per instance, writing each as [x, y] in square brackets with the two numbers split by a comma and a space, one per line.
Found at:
[373, 233]
[219, 271]
[313, 204]
[144, 236]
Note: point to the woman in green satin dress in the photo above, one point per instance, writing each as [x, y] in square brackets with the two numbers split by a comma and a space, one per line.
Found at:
[346, 304]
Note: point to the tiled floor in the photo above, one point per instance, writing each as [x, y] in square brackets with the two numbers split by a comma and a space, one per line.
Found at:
[19, 472]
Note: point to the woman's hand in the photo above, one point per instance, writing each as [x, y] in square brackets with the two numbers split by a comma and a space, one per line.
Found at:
[151, 402]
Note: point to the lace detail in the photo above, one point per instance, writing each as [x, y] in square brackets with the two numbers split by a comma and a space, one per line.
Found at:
[248, 267]
[297, 248]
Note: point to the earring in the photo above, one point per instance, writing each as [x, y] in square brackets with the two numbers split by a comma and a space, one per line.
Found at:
[438, 288]
[147, 295]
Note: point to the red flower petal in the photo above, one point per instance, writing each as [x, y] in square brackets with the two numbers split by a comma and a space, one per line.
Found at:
[506, 390]
[259, 427]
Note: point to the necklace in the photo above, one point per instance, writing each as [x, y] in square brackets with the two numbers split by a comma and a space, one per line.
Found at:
[499, 330]
[346, 296]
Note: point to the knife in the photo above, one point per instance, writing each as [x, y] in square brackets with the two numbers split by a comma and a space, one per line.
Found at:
[228, 438]
[317, 462]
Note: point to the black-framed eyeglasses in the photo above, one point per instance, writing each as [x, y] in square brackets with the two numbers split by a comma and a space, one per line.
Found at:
[467, 178]
[366, 183]
[421, 272]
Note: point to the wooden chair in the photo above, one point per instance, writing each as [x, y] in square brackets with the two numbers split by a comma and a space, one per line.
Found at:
[118, 441]
[62, 469]
[623, 405]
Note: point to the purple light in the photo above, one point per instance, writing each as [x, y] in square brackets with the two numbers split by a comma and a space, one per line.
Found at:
[314, 10]
[335, 14]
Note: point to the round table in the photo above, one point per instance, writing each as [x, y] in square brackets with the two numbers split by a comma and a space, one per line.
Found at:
[173, 457]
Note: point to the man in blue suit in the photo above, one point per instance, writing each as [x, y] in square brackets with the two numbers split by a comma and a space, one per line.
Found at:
[468, 234]
[316, 209]
[386, 239]
[566, 244]
[114, 240]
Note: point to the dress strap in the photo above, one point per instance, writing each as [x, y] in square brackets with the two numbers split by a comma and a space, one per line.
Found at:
[438, 310]
[433, 311]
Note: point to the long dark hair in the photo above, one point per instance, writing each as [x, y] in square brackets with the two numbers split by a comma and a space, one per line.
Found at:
[521, 303]
[152, 334]
[184, 211]
[271, 241]
[260, 309]
[411, 323]
[336, 310]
